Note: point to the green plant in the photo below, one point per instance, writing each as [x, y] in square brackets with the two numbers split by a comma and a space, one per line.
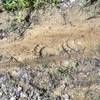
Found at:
[64, 73]
[19, 17]
[38, 3]
[15, 4]
[45, 65]
[18, 5]
[61, 72]
[21, 4]
[54, 2]
[41, 3]
[9, 4]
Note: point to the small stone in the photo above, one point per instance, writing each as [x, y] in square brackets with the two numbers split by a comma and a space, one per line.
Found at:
[4, 88]
[20, 88]
[58, 98]
[14, 73]
[4, 98]
[23, 95]
[24, 99]
[3, 78]
[13, 98]
[17, 94]
[1, 93]
[66, 97]
[65, 63]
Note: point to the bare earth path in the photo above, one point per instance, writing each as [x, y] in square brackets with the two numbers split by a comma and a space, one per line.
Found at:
[52, 37]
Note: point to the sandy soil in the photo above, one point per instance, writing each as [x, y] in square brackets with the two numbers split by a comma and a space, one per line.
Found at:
[80, 35]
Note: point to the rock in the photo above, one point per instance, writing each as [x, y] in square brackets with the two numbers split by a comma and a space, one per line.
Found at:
[19, 88]
[66, 97]
[3, 86]
[23, 95]
[3, 78]
[41, 84]
[4, 98]
[1, 10]
[1, 93]
[13, 98]
[3, 34]
[58, 98]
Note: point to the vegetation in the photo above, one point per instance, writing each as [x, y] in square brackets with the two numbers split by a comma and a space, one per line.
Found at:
[15, 4]
[61, 71]
[11, 5]
[18, 5]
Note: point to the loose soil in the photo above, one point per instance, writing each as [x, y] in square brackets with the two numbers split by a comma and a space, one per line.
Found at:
[43, 44]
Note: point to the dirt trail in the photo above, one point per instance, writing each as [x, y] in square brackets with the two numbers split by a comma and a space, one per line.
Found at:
[82, 34]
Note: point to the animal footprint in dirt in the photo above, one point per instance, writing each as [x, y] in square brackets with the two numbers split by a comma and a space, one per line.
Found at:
[38, 50]
[67, 48]
[44, 51]
[71, 46]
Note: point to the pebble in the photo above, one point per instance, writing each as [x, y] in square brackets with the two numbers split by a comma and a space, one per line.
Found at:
[36, 84]
[23, 95]
[13, 98]
[4, 88]
[1, 93]
[19, 88]
[58, 98]
[66, 97]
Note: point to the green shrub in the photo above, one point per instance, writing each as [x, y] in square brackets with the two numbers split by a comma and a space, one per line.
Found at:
[15, 4]
[21, 4]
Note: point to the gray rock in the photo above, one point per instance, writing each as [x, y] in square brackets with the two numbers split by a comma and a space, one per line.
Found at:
[4, 88]
[1, 94]
[66, 97]
[58, 98]
[3, 78]
[13, 98]
[23, 95]
[20, 88]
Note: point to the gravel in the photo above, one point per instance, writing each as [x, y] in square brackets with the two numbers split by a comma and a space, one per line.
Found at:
[40, 83]
[28, 84]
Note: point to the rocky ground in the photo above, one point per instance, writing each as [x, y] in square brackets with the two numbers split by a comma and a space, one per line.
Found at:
[52, 55]
[76, 80]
